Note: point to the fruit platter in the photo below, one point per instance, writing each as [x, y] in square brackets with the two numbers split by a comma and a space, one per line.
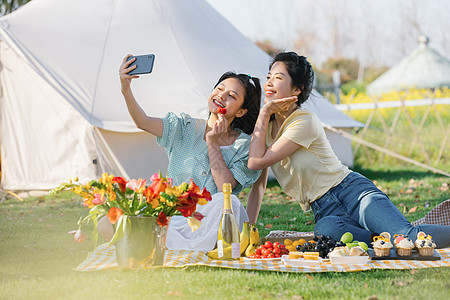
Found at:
[314, 250]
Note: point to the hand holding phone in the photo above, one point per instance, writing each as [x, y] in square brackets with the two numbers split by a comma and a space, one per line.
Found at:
[144, 64]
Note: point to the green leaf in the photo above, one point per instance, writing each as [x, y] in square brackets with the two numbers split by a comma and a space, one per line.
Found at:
[120, 229]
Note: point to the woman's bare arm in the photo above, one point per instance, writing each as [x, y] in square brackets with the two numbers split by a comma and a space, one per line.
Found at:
[140, 118]
[256, 195]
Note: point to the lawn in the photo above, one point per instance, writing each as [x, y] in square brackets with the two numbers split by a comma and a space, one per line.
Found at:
[38, 256]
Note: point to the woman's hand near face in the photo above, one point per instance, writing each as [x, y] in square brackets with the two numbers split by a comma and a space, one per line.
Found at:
[125, 79]
[278, 105]
[219, 169]
[219, 128]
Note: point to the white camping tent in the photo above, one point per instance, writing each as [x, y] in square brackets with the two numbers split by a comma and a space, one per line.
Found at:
[62, 114]
[424, 68]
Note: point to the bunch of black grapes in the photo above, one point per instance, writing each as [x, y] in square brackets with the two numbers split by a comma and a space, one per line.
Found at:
[323, 245]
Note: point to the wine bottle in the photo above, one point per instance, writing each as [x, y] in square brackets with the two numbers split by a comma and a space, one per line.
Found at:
[228, 236]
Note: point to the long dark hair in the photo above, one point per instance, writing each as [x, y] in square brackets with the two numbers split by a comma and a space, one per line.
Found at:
[252, 101]
[301, 72]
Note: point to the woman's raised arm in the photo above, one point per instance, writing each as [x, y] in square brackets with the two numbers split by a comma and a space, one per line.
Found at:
[150, 124]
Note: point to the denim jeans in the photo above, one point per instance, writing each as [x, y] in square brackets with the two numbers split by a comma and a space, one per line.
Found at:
[356, 205]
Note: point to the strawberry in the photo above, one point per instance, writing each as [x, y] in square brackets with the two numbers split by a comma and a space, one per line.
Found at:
[222, 110]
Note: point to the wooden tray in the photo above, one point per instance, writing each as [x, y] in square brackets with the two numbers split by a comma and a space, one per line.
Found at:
[414, 256]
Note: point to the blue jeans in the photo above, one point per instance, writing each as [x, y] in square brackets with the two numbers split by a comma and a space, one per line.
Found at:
[356, 205]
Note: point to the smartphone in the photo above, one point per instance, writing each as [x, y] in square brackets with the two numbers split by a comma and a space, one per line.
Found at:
[144, 64]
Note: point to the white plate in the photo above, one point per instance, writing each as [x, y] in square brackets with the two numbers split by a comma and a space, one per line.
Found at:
[299, 262]
[349, 260]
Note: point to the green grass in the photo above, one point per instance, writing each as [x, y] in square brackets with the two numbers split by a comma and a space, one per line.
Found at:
[38, 256]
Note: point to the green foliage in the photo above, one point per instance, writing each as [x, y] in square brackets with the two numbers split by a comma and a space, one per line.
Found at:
[353, 86]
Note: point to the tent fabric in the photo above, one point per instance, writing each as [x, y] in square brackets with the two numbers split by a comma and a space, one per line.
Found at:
[424, 68]
[62, 113]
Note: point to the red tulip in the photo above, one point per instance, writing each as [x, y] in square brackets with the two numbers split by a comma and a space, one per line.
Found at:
[162, 219]
[187, 207]
[122, 182]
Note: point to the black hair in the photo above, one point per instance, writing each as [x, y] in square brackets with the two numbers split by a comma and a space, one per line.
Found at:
[252, 101]
[300, 71]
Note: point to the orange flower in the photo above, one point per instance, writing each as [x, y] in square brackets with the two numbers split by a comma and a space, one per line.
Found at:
[204, 197]
[114, 214]
[159, 185]
[151, 197]
[200, 197]
[162, 219]
[193, 187]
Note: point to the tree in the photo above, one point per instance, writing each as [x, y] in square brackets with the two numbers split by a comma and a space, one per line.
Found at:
[268, 47]
[8, 6]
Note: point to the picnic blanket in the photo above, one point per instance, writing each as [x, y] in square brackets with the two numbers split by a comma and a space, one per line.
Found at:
[104, 257]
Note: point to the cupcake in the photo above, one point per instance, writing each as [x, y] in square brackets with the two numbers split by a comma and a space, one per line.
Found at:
[425, 244]
[382, 244]
[403, 245]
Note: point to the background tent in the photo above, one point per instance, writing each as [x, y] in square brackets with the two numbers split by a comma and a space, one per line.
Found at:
[424, 68]
[62, 114]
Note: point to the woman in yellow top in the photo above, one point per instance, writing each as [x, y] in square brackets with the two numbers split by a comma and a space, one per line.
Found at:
[292, 141]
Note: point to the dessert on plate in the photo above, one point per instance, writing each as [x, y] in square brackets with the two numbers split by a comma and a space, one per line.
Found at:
[382, 244]
[403, 244]
[425, 244]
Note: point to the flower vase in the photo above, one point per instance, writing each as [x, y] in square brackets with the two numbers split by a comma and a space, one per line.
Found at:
[143, 243]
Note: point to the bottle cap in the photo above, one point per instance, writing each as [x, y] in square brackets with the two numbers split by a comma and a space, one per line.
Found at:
[226, 188]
